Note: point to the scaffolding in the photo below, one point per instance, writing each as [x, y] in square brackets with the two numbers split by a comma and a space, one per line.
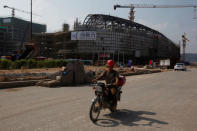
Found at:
[122, 39]
[113, 38]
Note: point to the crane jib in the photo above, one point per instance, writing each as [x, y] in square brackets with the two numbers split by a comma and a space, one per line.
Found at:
[153, 6]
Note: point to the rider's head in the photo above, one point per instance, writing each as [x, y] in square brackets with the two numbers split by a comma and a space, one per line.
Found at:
[110, 64]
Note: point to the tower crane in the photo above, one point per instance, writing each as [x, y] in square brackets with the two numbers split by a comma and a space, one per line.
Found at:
[132, 6]
[184, 39]
[15, 9]
[13, 15]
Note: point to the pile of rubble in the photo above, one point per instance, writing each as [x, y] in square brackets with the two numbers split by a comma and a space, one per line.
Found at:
[72, 74]
[23, 76]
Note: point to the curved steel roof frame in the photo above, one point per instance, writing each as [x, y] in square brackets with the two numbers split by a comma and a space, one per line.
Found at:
[107, 21]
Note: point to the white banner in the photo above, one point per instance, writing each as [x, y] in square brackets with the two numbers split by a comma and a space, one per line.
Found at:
[7, 20]
[83, 35]
[73, 35]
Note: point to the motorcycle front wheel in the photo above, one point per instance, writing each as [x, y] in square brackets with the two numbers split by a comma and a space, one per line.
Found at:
[95, 110]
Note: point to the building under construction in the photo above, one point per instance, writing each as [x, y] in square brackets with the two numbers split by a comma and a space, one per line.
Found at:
[14, 32]
[102, 37]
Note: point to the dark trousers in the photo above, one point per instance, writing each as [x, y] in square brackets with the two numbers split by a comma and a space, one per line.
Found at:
[112, 96]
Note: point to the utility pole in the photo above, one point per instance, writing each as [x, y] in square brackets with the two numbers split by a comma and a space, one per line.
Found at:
[180, 49]
[31, 22]
[118, 58]
[13, 14]
[103, 53]
[113, 54]
[123, 58]
[195, 17]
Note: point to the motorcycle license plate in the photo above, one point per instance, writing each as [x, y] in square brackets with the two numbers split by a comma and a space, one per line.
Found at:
[98, 89]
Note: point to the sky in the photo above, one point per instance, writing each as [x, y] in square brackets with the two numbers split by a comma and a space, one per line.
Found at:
[171, 22]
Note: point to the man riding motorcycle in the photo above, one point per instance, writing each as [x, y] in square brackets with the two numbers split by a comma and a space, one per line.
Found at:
[111, 77]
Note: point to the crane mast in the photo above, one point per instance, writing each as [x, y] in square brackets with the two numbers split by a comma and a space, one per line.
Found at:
[185, 40]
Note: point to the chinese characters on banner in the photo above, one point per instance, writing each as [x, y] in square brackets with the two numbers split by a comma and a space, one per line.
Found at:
[83, 35]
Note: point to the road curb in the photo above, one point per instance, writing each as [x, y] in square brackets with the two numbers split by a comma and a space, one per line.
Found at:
[14, 84]
[140, 72]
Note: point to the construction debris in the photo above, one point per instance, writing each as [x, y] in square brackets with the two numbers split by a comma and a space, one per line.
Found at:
[73, 74]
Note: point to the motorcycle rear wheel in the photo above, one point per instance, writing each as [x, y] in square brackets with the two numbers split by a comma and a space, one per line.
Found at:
[95, 110]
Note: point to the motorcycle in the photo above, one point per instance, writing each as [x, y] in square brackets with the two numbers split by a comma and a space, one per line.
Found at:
[102, 98]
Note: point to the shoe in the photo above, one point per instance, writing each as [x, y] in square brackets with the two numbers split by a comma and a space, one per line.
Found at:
[96, 107]
[113, 108]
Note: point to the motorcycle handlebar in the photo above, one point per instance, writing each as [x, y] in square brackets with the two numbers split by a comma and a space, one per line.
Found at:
[111, 84]
[96, 82]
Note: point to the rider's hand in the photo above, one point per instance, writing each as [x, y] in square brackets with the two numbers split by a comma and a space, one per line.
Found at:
[114, 84]
[94, 80]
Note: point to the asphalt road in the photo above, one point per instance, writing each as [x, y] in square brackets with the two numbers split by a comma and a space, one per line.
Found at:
[152, 102]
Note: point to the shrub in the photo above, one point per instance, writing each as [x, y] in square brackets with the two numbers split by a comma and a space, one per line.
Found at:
[14, 65]
[31, 63]
[5, 64]
[50, 63]
[19, 63]
[40, 64]
[61, 63]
